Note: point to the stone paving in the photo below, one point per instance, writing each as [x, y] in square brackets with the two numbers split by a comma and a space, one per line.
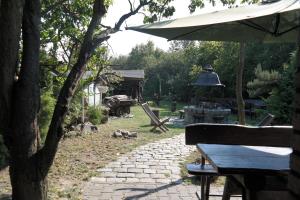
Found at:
[149, 172]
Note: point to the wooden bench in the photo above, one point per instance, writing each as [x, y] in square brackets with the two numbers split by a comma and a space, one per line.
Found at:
[206, 172]
[278, 136]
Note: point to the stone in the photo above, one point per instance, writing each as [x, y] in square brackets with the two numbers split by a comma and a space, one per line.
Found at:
[72, 134]
[142, 175]
[108, 174]
[98, 179]
[86, 128]
[132, 134]
[126, 175]
[104, 170]
[132, 180]
[125, 134]
[134, 170]
[117, 134]
[149, 171]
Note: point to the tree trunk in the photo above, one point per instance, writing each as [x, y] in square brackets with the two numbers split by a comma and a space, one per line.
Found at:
[27, 180]
[239, 85]
[10, 23]
[26, 185]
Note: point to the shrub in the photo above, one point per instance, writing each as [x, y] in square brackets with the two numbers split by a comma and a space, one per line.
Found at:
[46, 111]
[280, 102]
[94, 115]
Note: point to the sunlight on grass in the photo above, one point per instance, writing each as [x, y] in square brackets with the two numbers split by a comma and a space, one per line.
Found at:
[78, 158]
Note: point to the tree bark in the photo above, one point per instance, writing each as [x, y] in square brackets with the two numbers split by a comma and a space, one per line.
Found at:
[239, 85]
[10, 23]
[28, 183]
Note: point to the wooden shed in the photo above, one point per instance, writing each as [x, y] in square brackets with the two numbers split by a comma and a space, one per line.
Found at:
[132, 84]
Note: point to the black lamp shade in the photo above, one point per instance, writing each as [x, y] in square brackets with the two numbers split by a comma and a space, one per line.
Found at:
[208, 78]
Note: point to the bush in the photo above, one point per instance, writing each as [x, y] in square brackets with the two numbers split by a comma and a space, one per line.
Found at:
[94, 115]
[46, 111]
[280, 102]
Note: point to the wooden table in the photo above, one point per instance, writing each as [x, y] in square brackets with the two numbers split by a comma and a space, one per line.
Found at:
[247, 161]
[237, 159]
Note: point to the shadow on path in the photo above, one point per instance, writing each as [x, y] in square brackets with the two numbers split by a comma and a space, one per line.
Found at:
[5, 197]
[149, 191]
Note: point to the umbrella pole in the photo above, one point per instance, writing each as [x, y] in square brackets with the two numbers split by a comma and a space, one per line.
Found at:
[239, 85]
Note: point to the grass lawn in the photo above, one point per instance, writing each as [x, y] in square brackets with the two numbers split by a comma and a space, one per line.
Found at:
[79, 157]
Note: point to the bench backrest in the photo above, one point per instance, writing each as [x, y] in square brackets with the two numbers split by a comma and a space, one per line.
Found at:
[277, 136]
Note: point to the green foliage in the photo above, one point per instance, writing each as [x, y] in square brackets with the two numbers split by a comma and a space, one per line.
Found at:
[94, 115]
[75, 110]
[46, 111]
[201, 3]
[176, 70]
[280, 102]
[159, 9]
[264, 82]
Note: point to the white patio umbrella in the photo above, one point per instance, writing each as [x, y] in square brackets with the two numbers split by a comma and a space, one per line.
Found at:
[268, 22]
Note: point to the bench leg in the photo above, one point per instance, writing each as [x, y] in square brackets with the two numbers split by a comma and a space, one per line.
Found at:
[204, 188]
[232, 187]
[207, 187]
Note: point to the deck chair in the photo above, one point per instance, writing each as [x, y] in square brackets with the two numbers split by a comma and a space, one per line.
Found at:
[267, 120]
[158, 123]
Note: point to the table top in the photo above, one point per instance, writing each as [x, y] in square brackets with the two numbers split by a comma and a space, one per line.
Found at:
[237, 159]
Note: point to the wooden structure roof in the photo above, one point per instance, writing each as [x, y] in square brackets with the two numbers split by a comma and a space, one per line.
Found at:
[131, 74]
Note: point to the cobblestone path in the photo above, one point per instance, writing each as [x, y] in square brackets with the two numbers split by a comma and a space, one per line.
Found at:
[149, 172]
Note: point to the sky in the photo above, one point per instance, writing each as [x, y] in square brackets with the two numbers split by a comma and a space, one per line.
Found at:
[122, 42]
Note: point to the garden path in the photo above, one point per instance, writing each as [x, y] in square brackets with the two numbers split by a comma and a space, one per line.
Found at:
[149, 172]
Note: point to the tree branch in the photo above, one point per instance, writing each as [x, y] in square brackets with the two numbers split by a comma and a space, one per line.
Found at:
[64, 49]
[55, 132]
[104, 26]
[126, 16]
[131, 6]
[104, 35]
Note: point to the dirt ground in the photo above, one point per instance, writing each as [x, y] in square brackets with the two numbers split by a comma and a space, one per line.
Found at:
[79, 157]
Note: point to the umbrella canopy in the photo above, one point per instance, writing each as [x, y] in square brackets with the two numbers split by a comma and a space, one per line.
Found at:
[268, 22]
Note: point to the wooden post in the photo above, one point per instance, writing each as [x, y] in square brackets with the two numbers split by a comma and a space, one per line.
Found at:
[82, 114]
[239, 85]
[94, 90]
[100, 98]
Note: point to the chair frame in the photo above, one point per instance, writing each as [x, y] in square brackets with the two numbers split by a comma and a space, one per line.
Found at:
[158, 123]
